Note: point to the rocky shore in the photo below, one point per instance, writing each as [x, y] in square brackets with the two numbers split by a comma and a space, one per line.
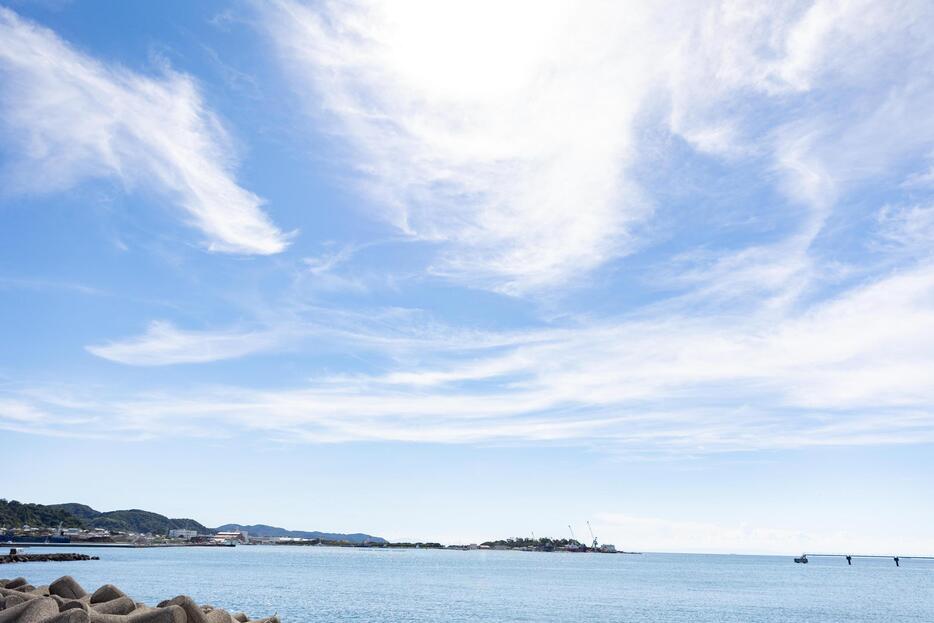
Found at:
[65, 601]
[11, 557]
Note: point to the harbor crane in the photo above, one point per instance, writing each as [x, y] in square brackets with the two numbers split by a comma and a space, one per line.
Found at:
[594, 545]
[573, 538]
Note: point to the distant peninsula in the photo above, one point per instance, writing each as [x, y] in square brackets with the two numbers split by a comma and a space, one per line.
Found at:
[77, 516]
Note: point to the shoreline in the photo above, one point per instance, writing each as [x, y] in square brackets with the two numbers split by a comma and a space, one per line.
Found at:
[390, 546]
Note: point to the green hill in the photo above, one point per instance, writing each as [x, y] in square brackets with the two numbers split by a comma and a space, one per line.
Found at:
[136, 520]
[73, 515]
[16, 514]
[82, 511]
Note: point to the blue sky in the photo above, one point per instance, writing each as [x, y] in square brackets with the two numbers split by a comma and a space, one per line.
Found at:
[457, 272]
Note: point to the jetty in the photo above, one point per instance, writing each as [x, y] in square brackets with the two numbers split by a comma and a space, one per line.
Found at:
[17, 556]
[65, 601]
[803, 558]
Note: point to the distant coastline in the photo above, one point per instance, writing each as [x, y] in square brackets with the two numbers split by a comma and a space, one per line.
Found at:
[79, 525]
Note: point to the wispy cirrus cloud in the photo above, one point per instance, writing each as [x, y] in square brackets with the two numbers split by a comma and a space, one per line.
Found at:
[69, 117]
[822, 99]
[165, 344]
[520, 196]
[517, 156]
[908, 228]
[851, 370]
[474, 148]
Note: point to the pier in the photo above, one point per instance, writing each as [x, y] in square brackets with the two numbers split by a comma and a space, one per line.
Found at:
[803, 558]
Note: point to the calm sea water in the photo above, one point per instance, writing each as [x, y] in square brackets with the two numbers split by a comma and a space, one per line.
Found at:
[311, 584]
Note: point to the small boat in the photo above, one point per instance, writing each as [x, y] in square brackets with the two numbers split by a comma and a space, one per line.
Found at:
[803, 559]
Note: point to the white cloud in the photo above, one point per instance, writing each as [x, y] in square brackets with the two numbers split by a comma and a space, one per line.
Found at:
[18, 411]
[474, 146]
[829, 97]
[508, 144]
[852, 370]
[164, 344]
[69, 117]
[508, 131]
[23, 416]
[909, 227]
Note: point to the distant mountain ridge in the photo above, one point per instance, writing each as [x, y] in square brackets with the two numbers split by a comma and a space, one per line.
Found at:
[75, 515]
[262, 530]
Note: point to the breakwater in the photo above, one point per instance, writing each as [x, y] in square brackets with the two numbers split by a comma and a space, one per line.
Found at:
[96, 544]
[65, 601]
[15, 556]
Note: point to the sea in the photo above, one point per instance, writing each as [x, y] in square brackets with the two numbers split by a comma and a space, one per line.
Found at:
[328, 584]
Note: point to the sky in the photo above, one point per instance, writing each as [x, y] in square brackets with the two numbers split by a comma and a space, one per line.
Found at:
[464, 271]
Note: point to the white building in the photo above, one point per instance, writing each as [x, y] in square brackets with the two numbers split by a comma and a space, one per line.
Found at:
[239, 535]
[183, 534]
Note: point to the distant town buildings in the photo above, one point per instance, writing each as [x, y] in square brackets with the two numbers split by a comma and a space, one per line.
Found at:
[241, 536]
[186, 537]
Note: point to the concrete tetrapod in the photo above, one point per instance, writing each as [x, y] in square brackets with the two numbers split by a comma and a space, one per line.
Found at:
[66, 601]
